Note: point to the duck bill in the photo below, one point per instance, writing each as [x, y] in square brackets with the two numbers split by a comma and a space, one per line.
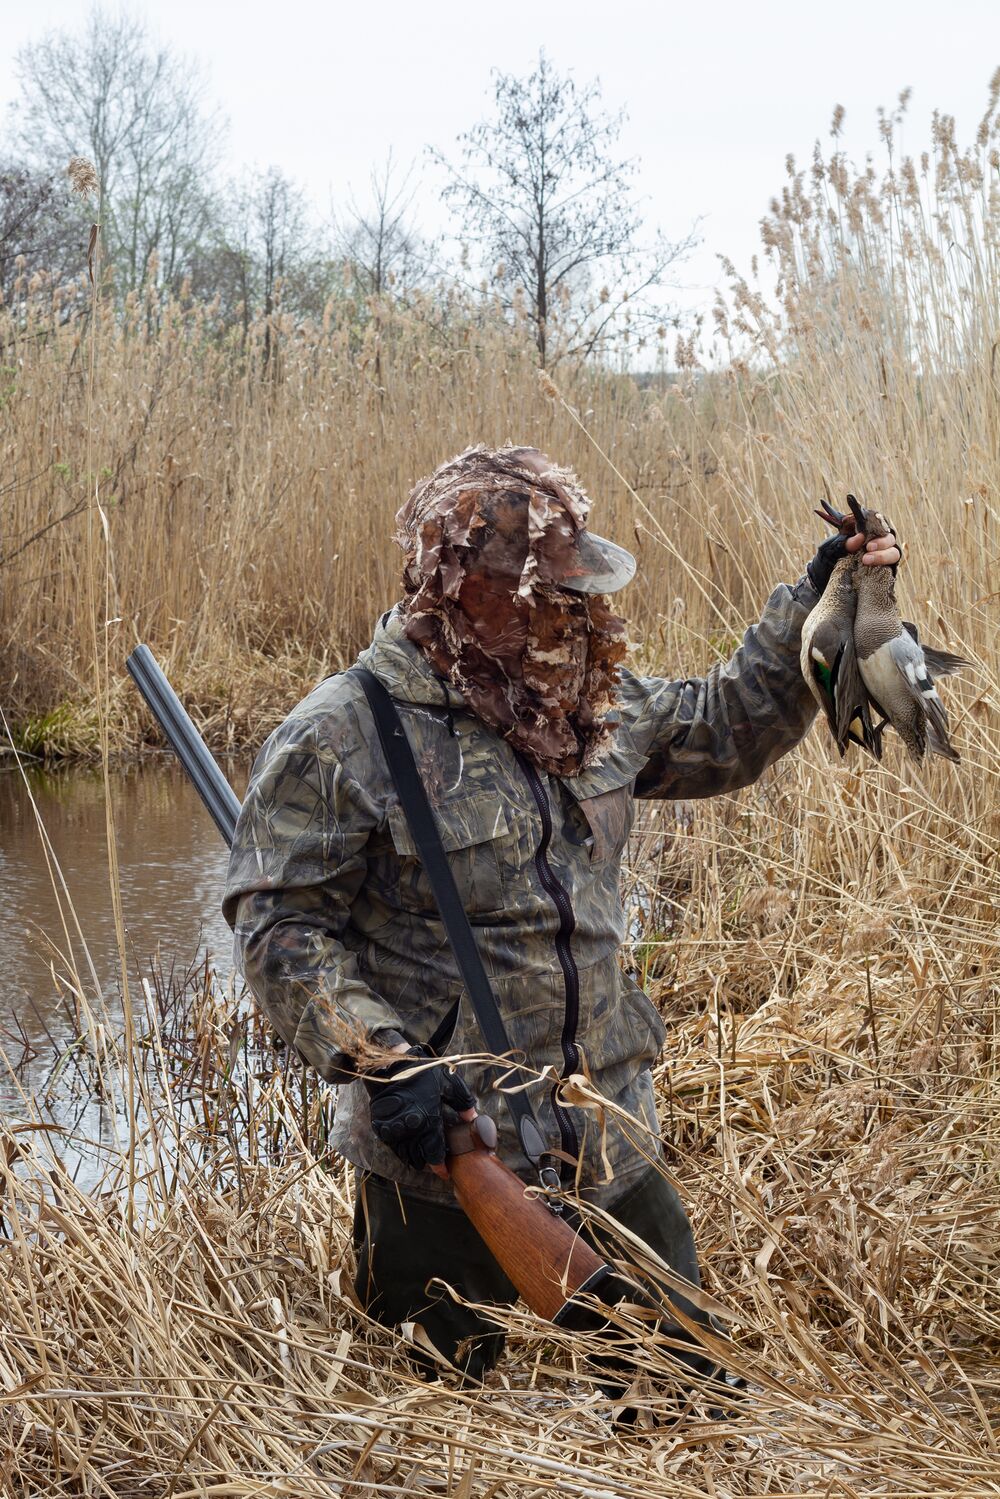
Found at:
[834, 518]
[857, 512]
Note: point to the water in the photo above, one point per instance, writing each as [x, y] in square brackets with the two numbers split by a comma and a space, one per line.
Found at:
[172, 867]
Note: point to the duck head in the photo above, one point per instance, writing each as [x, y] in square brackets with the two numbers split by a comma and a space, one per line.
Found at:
[871, 523]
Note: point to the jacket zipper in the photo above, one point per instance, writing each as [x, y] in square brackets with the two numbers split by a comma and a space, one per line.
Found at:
[571, 975]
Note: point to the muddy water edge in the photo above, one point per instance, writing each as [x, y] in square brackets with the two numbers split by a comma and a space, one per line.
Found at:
[172, 867]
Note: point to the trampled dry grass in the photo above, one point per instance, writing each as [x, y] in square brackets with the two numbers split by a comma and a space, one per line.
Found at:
[824, 946]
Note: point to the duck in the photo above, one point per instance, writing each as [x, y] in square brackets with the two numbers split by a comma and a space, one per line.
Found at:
[896, 668]
[828, 657]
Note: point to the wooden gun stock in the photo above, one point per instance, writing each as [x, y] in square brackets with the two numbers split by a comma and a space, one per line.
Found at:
[542, 1255]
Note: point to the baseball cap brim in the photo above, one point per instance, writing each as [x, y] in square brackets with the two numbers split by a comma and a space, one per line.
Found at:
[599, 566]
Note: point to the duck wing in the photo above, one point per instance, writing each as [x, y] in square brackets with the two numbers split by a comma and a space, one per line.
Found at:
[830, 667]
[941, 663]
[851, 699]
[910, 660]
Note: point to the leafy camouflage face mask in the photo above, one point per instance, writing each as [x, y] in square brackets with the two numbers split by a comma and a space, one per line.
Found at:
[493, 542]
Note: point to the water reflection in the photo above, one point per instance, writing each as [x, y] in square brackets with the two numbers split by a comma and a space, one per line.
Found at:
[172, 866]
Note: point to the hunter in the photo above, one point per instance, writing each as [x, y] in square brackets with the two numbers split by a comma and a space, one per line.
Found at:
[504, 659]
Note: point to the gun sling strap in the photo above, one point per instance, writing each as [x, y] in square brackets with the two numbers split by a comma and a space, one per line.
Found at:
[427, 839]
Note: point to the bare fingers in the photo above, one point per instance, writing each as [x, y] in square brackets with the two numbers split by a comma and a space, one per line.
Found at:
[883, 551]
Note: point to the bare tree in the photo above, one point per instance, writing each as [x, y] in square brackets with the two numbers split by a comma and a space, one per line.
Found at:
[377, 241]
[261, 254]
[38, 229]
[278, 216]
[137, 110]
[550, 203]
[278, 219]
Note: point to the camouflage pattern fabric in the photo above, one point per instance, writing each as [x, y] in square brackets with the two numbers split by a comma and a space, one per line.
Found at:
[337, 931]
[487, 539]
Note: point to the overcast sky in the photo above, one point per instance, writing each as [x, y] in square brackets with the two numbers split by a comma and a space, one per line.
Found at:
[717, 93]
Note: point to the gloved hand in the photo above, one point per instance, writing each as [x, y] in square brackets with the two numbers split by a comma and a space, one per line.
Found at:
[829, 552]
[408, 1112]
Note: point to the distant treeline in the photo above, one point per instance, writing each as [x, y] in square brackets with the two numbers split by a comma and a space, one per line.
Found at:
[545, 220]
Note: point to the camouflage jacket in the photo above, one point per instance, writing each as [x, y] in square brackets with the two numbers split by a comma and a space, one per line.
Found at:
[337, 932]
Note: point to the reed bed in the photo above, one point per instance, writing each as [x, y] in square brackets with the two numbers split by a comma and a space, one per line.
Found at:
[829, 1097]
[823, 947]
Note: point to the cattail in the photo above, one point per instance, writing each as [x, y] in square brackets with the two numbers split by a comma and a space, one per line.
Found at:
[548, 385]
[83, 178]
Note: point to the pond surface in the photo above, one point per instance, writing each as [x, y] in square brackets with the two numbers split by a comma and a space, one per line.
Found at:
[172, 866]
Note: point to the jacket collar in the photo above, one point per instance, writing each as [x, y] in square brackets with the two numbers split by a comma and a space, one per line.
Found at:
[409, 676]
[403, 667]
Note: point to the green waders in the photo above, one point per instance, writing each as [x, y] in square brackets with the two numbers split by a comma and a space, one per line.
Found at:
[404, 1242]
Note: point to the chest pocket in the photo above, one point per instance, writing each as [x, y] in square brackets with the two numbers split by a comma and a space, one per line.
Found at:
[471, 828]
[606, 799]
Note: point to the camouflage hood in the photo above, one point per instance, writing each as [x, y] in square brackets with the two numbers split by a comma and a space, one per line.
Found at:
[492, 543]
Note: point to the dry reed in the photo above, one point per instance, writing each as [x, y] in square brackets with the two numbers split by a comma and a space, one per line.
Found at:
[823, 947]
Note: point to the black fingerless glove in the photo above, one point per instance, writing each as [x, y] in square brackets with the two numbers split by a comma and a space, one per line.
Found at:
[828, 554]
[408, 1112]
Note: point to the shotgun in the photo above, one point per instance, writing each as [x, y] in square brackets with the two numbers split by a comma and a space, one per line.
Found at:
[221, 801]
[543, 1256]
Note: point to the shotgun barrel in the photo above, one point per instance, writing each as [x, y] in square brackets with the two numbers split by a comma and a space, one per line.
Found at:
[543, 1256]
[221, 801]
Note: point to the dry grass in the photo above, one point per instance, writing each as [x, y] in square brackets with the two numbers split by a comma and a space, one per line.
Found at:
[824, 947]
[835, 1135]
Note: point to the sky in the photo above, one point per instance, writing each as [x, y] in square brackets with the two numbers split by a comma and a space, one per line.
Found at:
[717, 94]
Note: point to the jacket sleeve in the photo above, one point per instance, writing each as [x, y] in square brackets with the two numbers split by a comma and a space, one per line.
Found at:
[709, 735]
[297, 863]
